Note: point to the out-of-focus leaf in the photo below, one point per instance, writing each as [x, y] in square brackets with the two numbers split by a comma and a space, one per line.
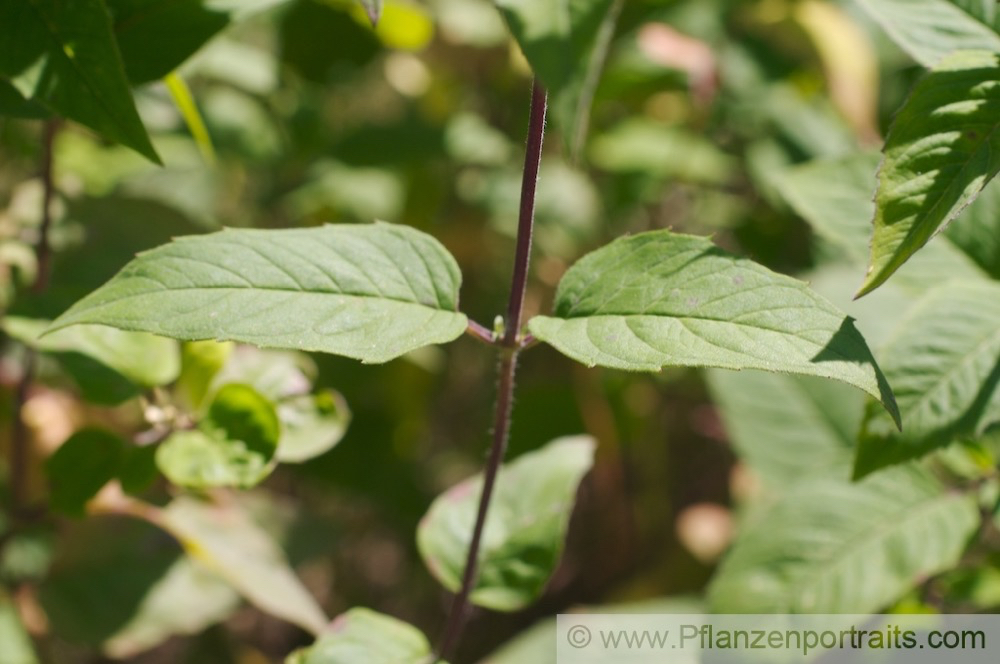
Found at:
[941, 151]
[335, 190]
[185, 600]
[566, 42]
[13, 103]
[372, 292]
[362, 635]
[88, 460]
[833, 546]
[230, 544]
[525, 528]
[318, 39]
[405, 25]
[929, 30]
[787, 427]
[977, 230]
[138, 469]
[944, 366]
[143, 358]
[647, 147]
[835, 197]
[661, 299]
[184, 100]
[200, 362]
[311, 424]
[276, 374]
[156, 36]
[63, 56]
[15, 644]
[235, 447]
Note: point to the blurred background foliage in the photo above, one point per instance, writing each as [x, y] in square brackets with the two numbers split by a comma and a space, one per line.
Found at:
[312, 116]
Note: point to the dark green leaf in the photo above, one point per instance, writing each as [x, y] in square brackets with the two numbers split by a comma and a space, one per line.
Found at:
[362, 635]
[942, 149]
[833, 546]
[566, 42]
[88, 460]
[13, 104]
[371, 292]
[929, 30]
[525, 529]
[944, 364]
[662, 299]
[156, 36]
[319, 40]
[63, 56]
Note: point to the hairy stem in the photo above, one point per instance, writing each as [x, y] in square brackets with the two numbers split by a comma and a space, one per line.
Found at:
[509, 348]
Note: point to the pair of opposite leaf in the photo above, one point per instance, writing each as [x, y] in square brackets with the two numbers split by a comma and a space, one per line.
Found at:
[374, 292]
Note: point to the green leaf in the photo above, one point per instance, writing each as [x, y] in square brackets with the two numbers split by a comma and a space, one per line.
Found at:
[977, 230]
[235, 447]
[230, 544]
[13, 104]
[944, 363]
[142, 358]
[941, 151]
[88, 460]
[311, 425]
[787, 427]
[156, 36]
[371, 292]
[652, 148]
[566, 42]
[663, 299]
[362, 635]
[185, 600]
[200, 362]
[929, 30]
[835, 197]
[832, 546]
[525, 528]
[17, 647]
[63, 56]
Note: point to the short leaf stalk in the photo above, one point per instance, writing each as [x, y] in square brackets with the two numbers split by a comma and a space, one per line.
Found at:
[510, 345]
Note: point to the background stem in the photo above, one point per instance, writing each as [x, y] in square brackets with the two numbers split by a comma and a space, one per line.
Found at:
[508, 365]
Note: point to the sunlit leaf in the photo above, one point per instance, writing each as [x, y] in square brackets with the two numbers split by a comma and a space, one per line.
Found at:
[944, 365]
[833, 546]
[63, 56]
[525, 528]
[185, 600]
[931, 29]
[200, 362]
[371, 292]
[362, 635]
[311, 424]
[663, 299]
[942, 149]
[16, 645]
[787, 427]
[230, 544]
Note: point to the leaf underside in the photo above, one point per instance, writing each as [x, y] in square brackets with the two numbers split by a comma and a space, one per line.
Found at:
[372, 292]
[662, 299]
